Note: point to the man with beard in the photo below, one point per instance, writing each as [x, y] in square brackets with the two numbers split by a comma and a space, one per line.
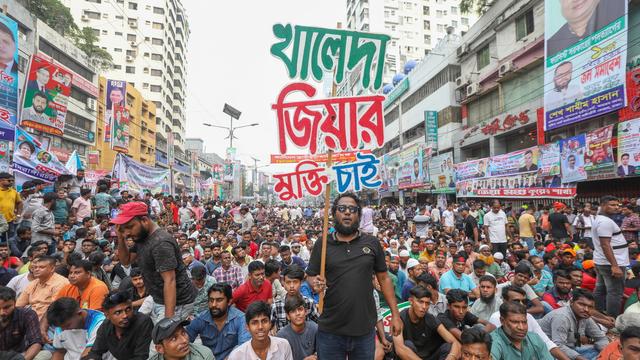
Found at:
[438, 267]
[457, 279]
[36, 113]
[488, 302]
[18, 327]
[560, 294]
[256, 288]
[394, 269]
[414, 269]
[349, 315]
[159, 259]
[126, 334]
[222, 328]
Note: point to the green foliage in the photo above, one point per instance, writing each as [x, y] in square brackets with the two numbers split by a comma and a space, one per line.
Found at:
[86, 40]
[481, 6]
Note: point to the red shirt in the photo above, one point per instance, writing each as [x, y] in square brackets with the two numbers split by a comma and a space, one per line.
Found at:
[253, 249]
[11, 262]
[245, 294]
[588, 282]
[174, 212]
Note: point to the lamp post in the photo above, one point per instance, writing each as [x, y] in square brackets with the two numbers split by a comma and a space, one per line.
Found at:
[230, 129]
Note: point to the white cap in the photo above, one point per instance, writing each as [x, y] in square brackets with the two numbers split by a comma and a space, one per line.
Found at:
[404, 253]
[498, 256]
[484, 246]
[412, 262]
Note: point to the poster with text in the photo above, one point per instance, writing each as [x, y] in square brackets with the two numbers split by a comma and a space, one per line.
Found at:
[389, 171]
[8, 77]
[549, 159]
[30, 159]
[440, 172]
[572, 151]
[115, 95]
[629, 148]
[411, 174]
[46, 94]
[516, 162]
[472, 169]
[526, 185]
[585, 59]
[120, 126]
[599, 152]
[135, 176]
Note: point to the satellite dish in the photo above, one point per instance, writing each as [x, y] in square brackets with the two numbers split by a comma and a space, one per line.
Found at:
[397, 78]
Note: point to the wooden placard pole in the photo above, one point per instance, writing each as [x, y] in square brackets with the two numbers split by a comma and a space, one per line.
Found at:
[325, 232]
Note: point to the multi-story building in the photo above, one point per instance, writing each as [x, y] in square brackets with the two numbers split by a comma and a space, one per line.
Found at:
[148, 42]
[142, 130]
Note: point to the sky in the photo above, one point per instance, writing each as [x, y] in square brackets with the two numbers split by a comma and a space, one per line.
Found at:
[229, 62]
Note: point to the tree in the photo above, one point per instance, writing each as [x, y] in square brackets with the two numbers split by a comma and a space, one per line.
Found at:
[481, 6]
[52, 13]
[85, 40]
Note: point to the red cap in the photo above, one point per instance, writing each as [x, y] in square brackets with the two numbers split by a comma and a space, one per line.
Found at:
[130, 210]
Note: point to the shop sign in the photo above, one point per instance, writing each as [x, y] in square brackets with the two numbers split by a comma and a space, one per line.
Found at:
[506, 124]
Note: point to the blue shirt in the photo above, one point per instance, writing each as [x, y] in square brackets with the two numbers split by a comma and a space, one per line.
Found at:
[305, 290]
[211, 266]
[233, 333]
[537, 253]
[449, 280]
[406, 288]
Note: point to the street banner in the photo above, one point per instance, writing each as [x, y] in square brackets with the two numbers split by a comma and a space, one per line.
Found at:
[46, 94]
[441, 177]
[91, 177]
[516, 162]
[599, 152]
[8, 77]
[632, 110]
[550, 159]
[30, 159]
[120, 126]
[528, 185]
[228, 164]
[431, 129]
[472, 169]
[93, 157]
[319, 158]
[411, 172]
[572, 152]
[386, 312]
[115, 95]
[389, 171]
[135, 176]
[584, 73]
[629, 148]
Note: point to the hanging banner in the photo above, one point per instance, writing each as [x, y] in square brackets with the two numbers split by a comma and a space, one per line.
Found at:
[138, 177]
[431, 129]
[115, 95]
[389, 171]
[585, 58]
[521, 161]
[46, 94]
[319, 158]
[629, 148]
[30, 159]
[411, 172]
[472, 169]
[632, 110]
[528, 185]
[8, 77]
[91, 177]
[120, 126]
[441, 175]
[549, 159]
[572, 152]
[599, 152]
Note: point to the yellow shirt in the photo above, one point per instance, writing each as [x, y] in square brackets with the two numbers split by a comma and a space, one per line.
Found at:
[40, 295]
[8, 200]
[523, 225]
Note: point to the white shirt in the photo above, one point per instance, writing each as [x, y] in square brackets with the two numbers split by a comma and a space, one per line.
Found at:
[448, 218]
[366, 220]
[603, 226]
[497, 226]
[279, 349]
[435, 215]
[19, 283]
[532, 326]
[588, 222]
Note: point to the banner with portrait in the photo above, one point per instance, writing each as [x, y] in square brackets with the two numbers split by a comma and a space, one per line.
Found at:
[599, 152]
[45, 98]
[472, 169]
[527, 185]
[120, 126]
[441, 178]
[411, 173]
[8, 77]
[549, 163]
[389, 171]
[572, 153]
[115, 95]
[629, 148]
[32, 160]
[135, 176]
[516, 162]
[585, 64]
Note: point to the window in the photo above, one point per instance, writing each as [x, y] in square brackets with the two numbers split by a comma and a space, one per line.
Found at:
[145, 85]
[78, 95]
[130, 70]
[464, 21]
[156, 57]
[117, 49]
[133, 6]
[483, 57]
[131, 53]
[427, 39]
[454, 10]
[131, 37]
[524, 25]
[155, 88]
[119, 17]
[439, 13]
[156, 72]
[105, 16]
[440, 27]
[427, 25]
[454, 23]
[425, 10]
[118, 33]
[486, 107]
[155, 41]
[157, 26]
[157, 10]
[95, 1]
[92, 14]
[96, 32]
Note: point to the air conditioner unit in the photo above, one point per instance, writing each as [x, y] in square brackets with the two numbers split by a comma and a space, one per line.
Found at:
[91, 104]
[84, 18]
[473, 89]
[129, 58]
[133, 24]
[462, 50]
[506, 68]
[460, 82]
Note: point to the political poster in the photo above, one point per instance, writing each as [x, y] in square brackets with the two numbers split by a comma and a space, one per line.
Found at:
[572, 152]
[549, 163]
[115, 95]
[30, 159]
[586, 53]
[629, 148]
[8, 77]
[137, 177]
[120, 128]
[527, 185]
[441, 178]
[389, 171]
[516, 162]
[632, 110]
[46, 94]
[5, 147]
[472, 169]
[410, 172]
[599, 152]
[91, 177]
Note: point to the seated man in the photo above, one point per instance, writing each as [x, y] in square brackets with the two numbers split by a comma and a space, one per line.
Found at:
[521, 279]
[571, 327]
[457, 279]
[300, 332]
[457, 317]
[76, 328]
[560, 293]
[256, 288]
[293, 278]
[222, 328]
[438, 299]
[513, 340]
[202, 282]
[423, 336]
[19, 327]
[479, 270]
[414, 269]
[38, 295]
[88, 291]
[476, 344]
[172, 342]
[258, 318]
[630, 342]
[126, 335]
[488, 303]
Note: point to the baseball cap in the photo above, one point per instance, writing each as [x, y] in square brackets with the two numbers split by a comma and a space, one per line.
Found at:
[166, 327]
[130, 210]
[412, 263]
[588, 264]
[569, 251]
[404, 253]
[498, 256]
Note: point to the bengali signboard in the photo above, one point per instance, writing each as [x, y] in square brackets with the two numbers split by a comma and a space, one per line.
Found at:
[115, 95]
[517, 162]
[441, 177]
[516, 186]
[572, 152]
[431, 129]
[8, 77]
[30, 159]
[599, 150]
[584, 73]
[319, 158]
[629, 148]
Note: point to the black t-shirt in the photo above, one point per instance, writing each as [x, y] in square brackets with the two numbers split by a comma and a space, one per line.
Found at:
[470, 223]
[349, 308]
[449, 322]
[160, 253]
[424, 335]
[557, 221]
[211, 219]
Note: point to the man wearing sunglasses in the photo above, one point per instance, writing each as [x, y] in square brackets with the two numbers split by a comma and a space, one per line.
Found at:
[349, 315]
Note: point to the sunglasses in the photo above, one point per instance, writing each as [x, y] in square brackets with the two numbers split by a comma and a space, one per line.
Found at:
[344, 208]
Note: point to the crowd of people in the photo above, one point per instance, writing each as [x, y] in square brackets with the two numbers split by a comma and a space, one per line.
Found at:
[103, 273]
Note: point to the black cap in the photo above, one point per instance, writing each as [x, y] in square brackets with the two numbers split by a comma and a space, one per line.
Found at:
[166, 327]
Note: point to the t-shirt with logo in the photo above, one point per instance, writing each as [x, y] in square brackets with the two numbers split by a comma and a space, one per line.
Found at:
[423, 334]
[76, 340]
